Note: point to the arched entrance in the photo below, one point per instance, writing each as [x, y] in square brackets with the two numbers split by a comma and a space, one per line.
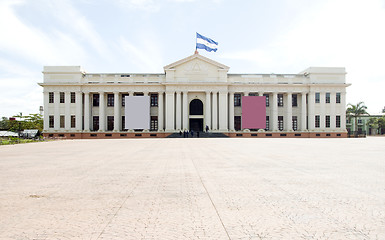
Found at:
[196, 115]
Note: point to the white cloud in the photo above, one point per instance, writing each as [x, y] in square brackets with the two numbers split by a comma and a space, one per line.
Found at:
[146, 57]
[341, 33]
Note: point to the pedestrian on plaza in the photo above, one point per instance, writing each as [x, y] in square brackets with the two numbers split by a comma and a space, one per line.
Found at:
[187, 133]
[180, 132]
[198, 134]
[192, 133]
[207, 128]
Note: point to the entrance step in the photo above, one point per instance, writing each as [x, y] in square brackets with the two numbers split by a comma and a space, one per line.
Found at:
[201, 135]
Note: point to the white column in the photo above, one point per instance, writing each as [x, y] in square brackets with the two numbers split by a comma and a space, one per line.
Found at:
[311, 115]
[215, 111]
[178, 111]
[87, 111]
[185, 112]
[260, 93]
[322, 110]
[303, 111]
[246, 93]
[67, 110]
[160, 111]
[231, 111]
[102, 112]
[56, 110]
[170, 115]
[223, 111]
[117, 111]
[332, 110]
[46, 112]
[79, 107]
[274, 112]
[208, 110]
[289, 114]
[343, 110]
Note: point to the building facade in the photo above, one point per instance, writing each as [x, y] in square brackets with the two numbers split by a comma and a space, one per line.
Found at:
[193, 93]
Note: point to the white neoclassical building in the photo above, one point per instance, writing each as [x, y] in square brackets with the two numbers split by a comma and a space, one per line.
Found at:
[193, 93]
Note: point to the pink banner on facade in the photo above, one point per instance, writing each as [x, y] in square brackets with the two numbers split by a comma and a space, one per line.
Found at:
[254, 112]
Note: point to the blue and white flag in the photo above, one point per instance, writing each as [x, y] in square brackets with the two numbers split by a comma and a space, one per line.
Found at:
[206, 43]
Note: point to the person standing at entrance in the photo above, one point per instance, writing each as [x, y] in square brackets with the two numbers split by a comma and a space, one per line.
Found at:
[207, 128]
[192, 133]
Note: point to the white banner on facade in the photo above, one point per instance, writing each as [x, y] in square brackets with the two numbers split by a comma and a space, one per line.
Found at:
[137, 111]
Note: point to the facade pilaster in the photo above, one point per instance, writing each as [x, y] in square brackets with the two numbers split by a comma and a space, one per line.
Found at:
[170, 113]
[102, 112]
[343, 110]
[288, 112]
[78, 111]
[87, 111]
[67, 110]
[274, 112]
[46, 111]
[260, 93]
[311, 115]
[208, 110]
[223, 111]
[333, 110]
[215, 111]
[178, 111]
[160, 111]
[322, 110]
[185, 110]
[303, 112]
[56, 110]
[231, 111]
[117, 117]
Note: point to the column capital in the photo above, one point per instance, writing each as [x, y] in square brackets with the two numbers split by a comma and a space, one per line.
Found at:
[101, 92]
[86, 92]
[170, 92]
[178, 92]
[116, 92]
[145, 93]
[207, 92]
[232, 92]
[223, 92]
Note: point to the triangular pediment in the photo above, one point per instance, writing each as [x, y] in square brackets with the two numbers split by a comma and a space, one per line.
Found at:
[197, 63]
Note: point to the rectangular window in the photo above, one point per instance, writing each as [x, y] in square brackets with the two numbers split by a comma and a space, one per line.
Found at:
[317, 121]
[154, 123]
[267, 123]
[62, 121]
[359, 121]
[124, 99]
[267, 99]
[327, 121]
[253, 94]
[237, 123]
[294, 101]
[110, 123]
[110, 100]
[73, 121]
[237, 100]
[280, 100]
[62, 97]
[317, 97]
[338, 121]
[295, 123]
[327, 98]
[73, 97]
[51, 98]
[95, 100]
[138, 94]
[123, 123]
[154, 100]
[280, 123]
[338, 97]
[95, 123]
[51, 121]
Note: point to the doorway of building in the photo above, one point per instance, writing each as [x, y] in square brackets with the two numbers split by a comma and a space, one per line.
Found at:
[196, 124]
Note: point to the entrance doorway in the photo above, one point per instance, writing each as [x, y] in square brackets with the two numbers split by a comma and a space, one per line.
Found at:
[196, 124]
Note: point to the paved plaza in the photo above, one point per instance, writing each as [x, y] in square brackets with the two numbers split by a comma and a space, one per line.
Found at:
[194, 189]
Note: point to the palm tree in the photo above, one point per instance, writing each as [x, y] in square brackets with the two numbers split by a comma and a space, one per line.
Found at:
[355, 111]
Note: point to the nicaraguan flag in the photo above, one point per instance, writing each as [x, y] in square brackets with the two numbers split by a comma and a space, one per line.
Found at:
[206, 43]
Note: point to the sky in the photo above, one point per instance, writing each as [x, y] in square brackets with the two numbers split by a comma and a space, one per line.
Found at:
[143, 36]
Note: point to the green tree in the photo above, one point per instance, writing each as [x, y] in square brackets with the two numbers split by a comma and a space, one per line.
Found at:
[31, 121]
[354, 111]
[4, 124]
[373, 124]
[381, 125]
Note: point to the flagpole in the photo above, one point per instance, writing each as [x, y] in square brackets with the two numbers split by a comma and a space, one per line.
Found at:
[196, 42]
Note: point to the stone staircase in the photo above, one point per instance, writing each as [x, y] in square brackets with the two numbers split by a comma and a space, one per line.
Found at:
[201, 135]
